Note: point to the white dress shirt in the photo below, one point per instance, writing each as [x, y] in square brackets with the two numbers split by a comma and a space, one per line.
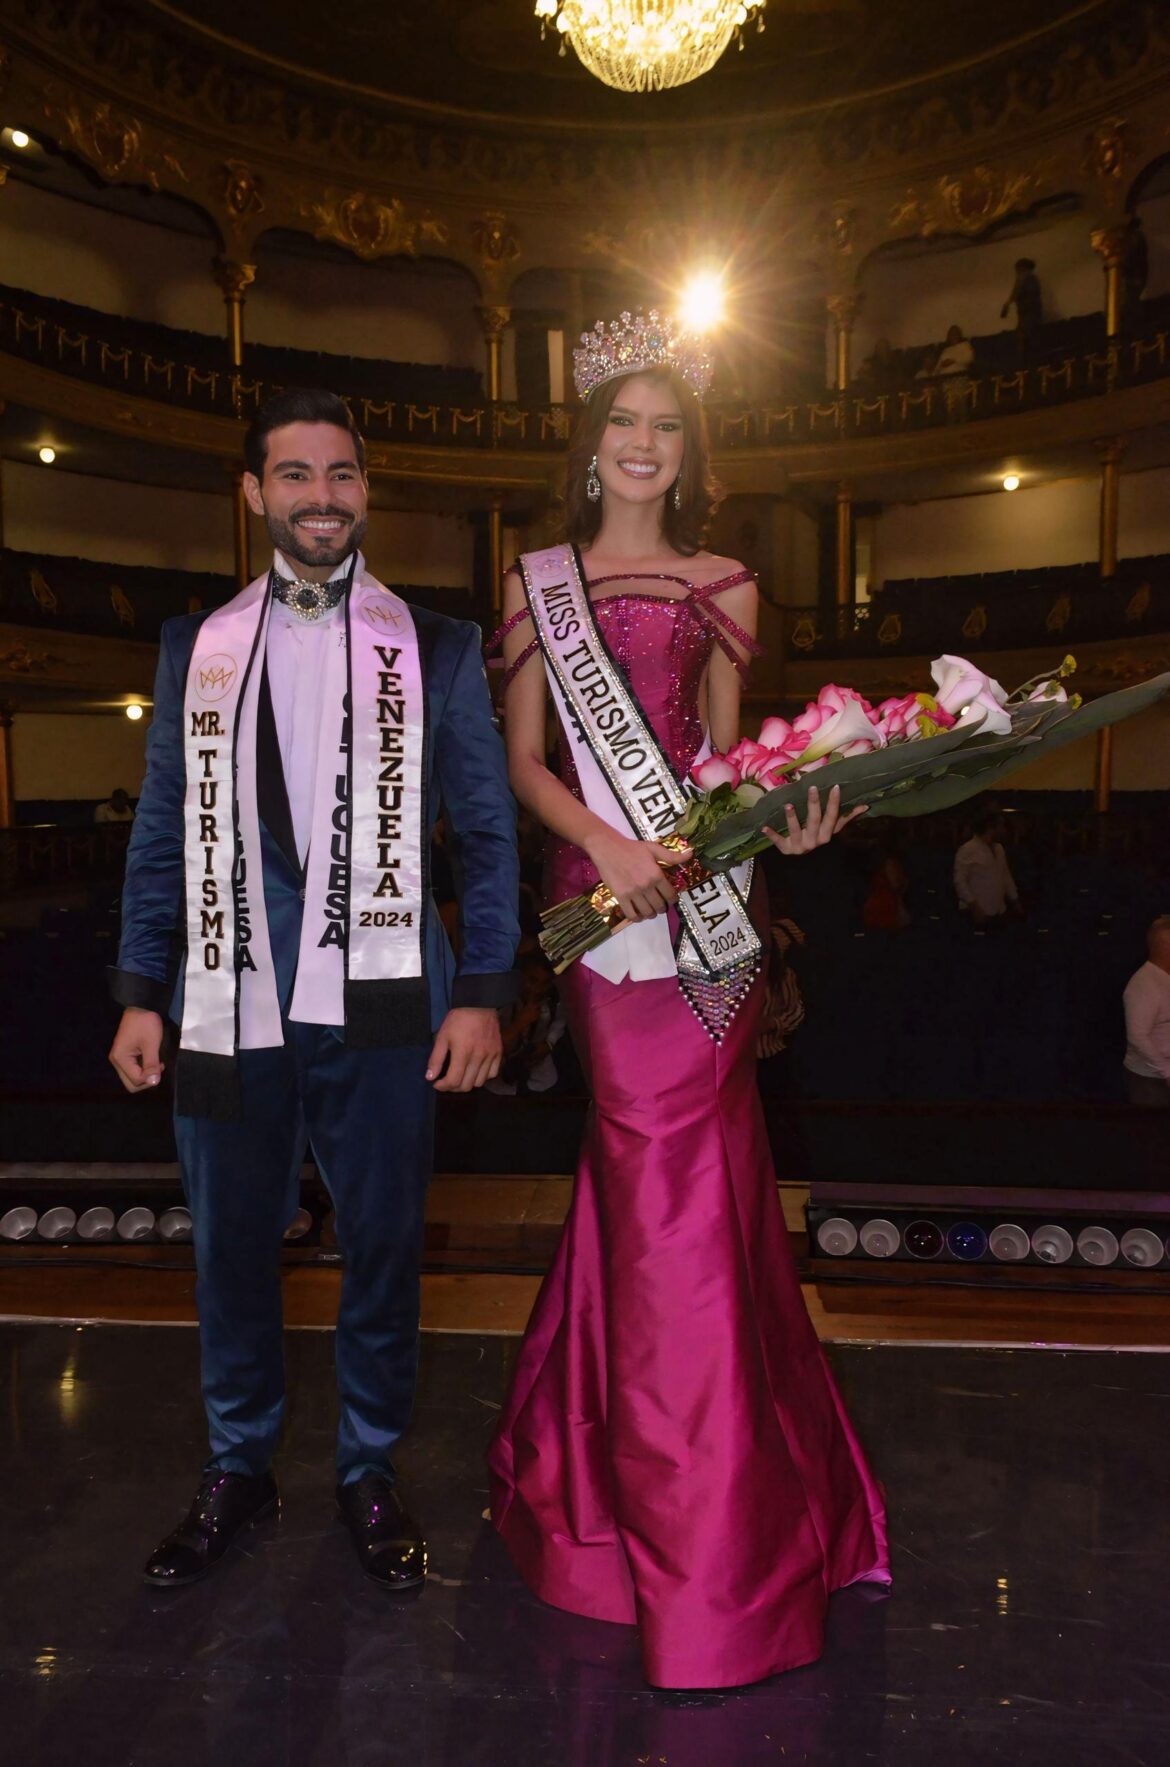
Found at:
[297, 649]
[1147, 1023]
[983, 877]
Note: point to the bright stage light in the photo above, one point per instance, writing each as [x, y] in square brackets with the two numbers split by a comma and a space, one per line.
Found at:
[701, 306]
[134, 712]
[46, 455]
[1012, 482]
[18, 138]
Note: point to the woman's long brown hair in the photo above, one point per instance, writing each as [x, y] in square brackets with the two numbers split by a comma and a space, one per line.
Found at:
[684, 528]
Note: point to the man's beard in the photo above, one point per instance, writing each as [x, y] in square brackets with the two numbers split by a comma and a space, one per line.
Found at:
[286, 539]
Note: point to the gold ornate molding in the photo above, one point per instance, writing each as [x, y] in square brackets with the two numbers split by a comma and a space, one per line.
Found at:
[967, 202]
[232, 277]
[495, 243]
[114, 142]
[240, 193]
[371, 228]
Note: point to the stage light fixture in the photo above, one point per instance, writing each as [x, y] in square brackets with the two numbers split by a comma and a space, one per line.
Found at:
[18, 138]
[46, 455]
[1096, 1245]
[136, 1223]
[1052, 1243]
[1142, 1247]
[1011, 481]
[923, 1239]
[57, 1223]
[96, 1224]
[174, 1224]
[19, 1223]
[966, 1240]
[702, 303]
[134, 712]
[837, 1237]
[1008, 1243]
[879, 1238]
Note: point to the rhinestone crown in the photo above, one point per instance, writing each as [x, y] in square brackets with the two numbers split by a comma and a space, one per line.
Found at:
[637, 341]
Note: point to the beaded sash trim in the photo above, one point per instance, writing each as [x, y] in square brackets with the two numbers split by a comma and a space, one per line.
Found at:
[623, 770]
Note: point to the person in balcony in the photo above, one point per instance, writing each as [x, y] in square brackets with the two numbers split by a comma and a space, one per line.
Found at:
[1147, 1023]
[957, 355]
[303, 736]
[984, 884]
[116, 808]
[674, 1453]
[1028, 302]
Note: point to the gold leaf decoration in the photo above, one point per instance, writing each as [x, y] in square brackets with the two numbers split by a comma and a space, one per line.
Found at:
[371, 228]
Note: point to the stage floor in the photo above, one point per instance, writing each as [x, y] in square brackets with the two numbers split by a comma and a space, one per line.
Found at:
[1028, 1623]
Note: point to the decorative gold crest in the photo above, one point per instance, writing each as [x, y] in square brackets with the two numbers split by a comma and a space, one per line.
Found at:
[371, 228]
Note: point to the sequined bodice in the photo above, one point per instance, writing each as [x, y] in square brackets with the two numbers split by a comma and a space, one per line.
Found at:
[662, 648]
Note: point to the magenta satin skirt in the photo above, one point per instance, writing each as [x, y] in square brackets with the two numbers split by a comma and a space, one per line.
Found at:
[674, 1453]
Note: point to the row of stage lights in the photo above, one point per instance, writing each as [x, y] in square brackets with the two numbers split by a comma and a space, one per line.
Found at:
[1004, 1242]
[101, 1225]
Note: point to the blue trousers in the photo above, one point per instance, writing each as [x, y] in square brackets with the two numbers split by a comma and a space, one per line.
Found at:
[368, 1116]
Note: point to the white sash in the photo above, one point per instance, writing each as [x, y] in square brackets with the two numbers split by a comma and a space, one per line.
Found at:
[360, 960]
[628, 782]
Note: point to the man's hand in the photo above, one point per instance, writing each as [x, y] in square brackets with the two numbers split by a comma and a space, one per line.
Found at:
[469, 1042]
[135, 1049]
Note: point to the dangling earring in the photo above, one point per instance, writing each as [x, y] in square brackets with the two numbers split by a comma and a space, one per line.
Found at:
[677, 498]
[592, 482]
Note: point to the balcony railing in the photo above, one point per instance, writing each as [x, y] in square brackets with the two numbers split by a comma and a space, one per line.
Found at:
[97, 348]
[41, 858]
[1056, 608]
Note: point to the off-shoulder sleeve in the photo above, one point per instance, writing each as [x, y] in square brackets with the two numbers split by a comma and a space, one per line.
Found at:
[724, 628]
[496, 643]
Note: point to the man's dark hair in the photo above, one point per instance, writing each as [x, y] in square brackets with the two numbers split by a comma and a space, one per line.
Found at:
[298, 405]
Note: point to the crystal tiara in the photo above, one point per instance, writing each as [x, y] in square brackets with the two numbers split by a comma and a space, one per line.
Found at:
[637, 341]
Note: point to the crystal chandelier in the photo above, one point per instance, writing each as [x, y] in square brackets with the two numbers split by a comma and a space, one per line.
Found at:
[646, 45]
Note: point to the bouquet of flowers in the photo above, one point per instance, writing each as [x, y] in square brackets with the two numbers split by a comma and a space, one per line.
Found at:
[905, 757]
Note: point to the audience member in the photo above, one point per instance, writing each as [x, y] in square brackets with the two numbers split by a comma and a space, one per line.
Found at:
[1147, 1022]
[116, 808]
[1025, 297]
[984, 883]
[957, 355]
[885, 908]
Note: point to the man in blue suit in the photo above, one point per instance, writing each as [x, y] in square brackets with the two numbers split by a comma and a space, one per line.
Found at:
[306, 736]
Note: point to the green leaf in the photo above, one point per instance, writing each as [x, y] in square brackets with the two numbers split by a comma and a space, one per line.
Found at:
[917, 778]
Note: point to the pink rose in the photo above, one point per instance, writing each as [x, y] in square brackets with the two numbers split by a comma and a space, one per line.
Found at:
[716, 770]
[750, 757]
[775, 733]
[843, 725]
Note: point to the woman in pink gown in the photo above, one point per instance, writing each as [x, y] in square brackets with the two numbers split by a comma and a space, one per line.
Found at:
[674, 1453]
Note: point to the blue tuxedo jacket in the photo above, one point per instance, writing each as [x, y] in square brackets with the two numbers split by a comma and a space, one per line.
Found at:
[465, 773]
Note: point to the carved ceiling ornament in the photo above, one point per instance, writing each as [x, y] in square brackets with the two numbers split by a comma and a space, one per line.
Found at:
[112, 141]
[495, 243]
[966, 202]
[371, 228]
[240, 192]
[1110, 151]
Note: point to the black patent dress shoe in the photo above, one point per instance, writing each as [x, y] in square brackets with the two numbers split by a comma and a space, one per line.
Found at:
[225, 1505]
[388, 1542]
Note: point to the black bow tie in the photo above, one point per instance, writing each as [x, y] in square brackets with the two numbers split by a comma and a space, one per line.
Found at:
[309, 601]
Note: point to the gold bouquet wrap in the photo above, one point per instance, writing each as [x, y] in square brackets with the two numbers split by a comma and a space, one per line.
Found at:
[570, 928]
